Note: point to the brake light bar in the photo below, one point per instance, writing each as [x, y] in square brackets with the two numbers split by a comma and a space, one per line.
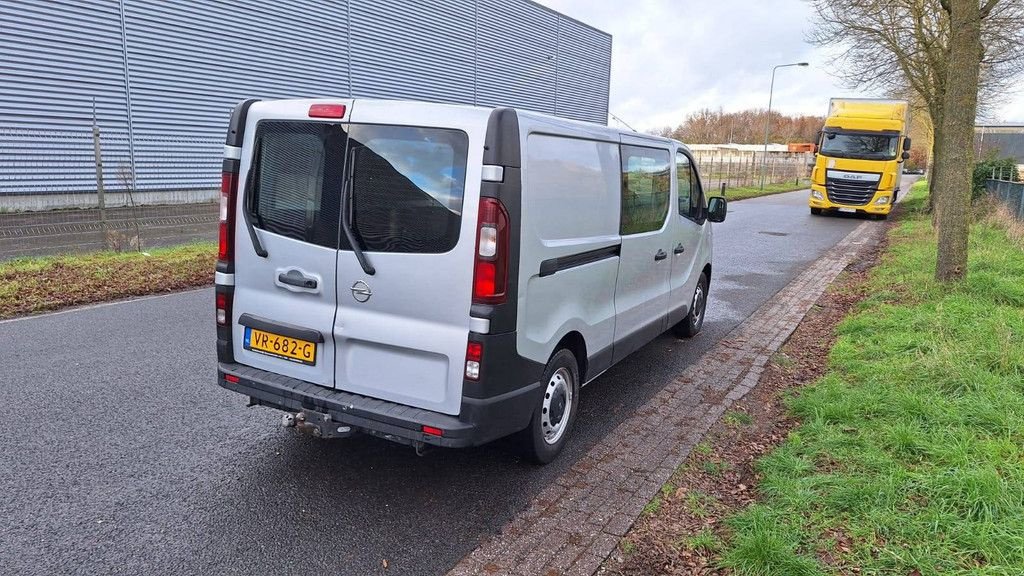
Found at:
[327, 111]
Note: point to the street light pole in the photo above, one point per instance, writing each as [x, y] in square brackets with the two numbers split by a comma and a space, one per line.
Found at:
[767, 119]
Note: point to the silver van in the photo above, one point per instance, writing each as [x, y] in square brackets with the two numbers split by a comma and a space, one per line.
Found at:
[447, 275]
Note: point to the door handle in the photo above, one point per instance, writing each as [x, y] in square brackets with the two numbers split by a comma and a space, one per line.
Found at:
[660, 255]
[296, 278]
[679, 249]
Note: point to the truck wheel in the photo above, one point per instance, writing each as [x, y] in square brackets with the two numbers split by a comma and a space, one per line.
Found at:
[816, 211]
[556, 410]
[689, 327]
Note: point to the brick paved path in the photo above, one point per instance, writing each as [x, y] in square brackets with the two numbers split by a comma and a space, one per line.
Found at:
[575, 523]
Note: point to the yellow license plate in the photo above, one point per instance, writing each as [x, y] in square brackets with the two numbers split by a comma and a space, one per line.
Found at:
[284, 347]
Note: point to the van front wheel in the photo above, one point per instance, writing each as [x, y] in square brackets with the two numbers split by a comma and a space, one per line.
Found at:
[689, 327]
[555, 412]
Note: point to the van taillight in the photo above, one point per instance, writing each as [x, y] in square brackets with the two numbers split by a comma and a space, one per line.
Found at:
[474, 354]
[223, 301]
[228, 187]
[490, 274]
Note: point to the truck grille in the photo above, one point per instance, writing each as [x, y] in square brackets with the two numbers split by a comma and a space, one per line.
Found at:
[850, 192]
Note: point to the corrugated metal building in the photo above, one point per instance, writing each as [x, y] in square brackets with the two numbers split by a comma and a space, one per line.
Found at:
[1001, 141]
[161, 76]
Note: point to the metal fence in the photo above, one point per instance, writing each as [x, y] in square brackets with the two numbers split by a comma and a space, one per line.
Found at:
[741, 171]
[76, 190]
[73, 190]
[1009, 193]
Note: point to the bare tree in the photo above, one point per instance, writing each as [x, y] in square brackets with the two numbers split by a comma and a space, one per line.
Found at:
[743, 127]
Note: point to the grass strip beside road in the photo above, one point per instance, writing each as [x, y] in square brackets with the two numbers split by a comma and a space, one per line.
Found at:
[33, 285]
[744, 192]
[909, 456]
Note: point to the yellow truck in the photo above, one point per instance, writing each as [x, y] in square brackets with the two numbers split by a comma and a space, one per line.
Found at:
[860, 155]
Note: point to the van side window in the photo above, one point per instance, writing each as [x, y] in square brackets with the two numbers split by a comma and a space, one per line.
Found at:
[572, 176]
[296, 180]
[645, 189]
[684, 183]
[698, 202]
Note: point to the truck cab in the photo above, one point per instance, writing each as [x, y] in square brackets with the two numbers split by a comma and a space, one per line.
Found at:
[860, 155]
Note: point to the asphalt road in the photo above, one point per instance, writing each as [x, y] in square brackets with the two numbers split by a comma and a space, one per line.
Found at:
[120, 454]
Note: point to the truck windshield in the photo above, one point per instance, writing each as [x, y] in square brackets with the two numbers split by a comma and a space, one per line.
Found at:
[859, 145]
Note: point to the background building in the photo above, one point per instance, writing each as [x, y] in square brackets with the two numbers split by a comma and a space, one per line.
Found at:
[161, 77]
[1001, 141]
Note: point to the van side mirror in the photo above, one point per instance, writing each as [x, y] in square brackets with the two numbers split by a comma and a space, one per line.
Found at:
[717, 208]
[906, 144]
[905, 155]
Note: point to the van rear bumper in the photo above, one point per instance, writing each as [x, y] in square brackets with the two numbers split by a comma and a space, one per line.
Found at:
[480, 421]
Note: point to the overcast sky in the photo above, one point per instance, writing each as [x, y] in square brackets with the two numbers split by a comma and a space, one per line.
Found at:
[671, 57]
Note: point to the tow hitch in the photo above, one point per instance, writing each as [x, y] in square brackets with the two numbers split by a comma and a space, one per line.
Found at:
[317, 423]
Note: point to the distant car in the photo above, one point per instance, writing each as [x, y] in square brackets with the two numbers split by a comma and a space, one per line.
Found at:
[914, 171]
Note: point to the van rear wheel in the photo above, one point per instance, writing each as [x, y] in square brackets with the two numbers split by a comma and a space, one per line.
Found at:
[555, 412]
[689, 327]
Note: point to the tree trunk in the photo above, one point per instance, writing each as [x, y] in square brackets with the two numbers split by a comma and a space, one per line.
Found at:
[956, 152]
[933, 172]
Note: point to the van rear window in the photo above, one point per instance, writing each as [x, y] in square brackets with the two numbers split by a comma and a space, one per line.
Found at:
[405, 184]
[406, 187]
[296, 180]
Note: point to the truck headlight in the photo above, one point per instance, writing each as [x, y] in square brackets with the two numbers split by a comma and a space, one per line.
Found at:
[882, 200]
[816, 195]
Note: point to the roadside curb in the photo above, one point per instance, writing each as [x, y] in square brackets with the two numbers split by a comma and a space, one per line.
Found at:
[576, 522]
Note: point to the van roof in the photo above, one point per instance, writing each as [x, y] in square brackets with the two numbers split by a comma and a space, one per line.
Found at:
[432, 108]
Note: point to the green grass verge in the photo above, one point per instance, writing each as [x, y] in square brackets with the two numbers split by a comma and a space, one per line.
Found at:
[30, 285]
[744, 192]
[910, 454]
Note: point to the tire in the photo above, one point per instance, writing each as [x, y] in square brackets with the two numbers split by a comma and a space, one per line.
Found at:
[689, 327]
[545, 437]
[816, 211]
[881, 216]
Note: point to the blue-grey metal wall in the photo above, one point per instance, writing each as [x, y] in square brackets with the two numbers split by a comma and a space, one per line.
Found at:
[56, 60]
[164, 75]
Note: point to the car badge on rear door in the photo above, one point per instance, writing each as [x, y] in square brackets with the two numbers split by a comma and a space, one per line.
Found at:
[361, 292]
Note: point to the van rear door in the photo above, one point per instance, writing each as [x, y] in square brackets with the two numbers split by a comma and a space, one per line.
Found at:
[292, 171]
[412, 192]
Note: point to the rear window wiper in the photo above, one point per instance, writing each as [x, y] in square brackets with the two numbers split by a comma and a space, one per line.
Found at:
[247, 214]
[346, 218]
